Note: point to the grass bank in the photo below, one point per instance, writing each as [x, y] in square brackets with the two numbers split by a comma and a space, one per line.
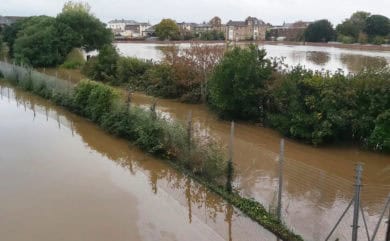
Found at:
[201, 159]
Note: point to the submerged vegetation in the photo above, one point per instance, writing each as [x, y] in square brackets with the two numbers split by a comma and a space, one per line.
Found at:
[316, 107]
[242, 83]
[183, 73]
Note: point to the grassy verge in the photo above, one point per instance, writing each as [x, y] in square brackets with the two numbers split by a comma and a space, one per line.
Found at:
[201, 159]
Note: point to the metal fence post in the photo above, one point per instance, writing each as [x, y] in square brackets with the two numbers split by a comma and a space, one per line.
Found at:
[189, 131]
[380, 220]
[356, 208]
[388, 227]
[281, 160]
[229, 175]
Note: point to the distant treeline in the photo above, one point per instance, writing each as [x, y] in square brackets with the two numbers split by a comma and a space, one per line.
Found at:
[361, 27]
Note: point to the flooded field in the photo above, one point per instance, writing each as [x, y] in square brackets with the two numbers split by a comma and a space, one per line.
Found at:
[318, 181]
[62, 178]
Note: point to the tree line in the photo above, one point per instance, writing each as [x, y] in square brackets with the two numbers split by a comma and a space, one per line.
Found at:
[361, 27]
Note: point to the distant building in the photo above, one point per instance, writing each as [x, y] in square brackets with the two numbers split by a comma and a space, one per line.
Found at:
[288, 31]
[183, 26]
[150, 31]
[128, 28]
[8, 20]
[202, 28]
[250, 29]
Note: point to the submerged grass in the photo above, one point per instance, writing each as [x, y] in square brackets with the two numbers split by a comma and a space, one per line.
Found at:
[200, 158]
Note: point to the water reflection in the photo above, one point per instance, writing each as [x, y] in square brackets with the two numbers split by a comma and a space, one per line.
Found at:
[165, 184]
[355, 63]
[318, 58]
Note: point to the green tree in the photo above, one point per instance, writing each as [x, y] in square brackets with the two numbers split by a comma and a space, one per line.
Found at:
[319, 31]
[76, 6]
[104, 66]
[348, 29]
[10, 34]
[378, 25]
[39, 43]
[359, 18]
[1, 47]
[167, 29]
[380, 136]
[88, 32]
[354, 25]
[237, 88]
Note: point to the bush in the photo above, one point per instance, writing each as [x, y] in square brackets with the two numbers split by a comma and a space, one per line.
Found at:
[323, 107]
[94, 100]
[237, 88]
[104, 66]
[380, 137]
[119, 123]
[346, 39]
[378, 40]
[131, 71]
[161, 81]
[75, 59]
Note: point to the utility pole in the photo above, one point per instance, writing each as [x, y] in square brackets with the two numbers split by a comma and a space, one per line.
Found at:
[355, 224]
[281, 160]
[388, 227]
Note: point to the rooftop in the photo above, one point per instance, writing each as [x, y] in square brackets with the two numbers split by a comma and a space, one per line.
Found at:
[236, 23]
[128, 22]
[8, 20]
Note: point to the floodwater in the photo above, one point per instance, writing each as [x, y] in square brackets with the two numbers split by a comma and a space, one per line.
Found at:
[318, 182]
[312, 57]
[62, 178]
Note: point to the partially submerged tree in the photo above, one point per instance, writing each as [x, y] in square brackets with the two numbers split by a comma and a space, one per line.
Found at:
[237, 88]
[193, 66]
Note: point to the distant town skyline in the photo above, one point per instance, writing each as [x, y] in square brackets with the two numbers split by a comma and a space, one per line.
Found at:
[271, 11]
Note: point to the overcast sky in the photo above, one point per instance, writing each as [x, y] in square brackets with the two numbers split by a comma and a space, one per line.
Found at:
[272, 11]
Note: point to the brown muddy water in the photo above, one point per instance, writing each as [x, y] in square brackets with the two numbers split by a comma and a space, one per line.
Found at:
[318, 182]
[62, 178]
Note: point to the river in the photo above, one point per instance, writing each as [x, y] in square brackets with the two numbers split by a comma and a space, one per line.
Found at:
[312, 57]
[63, 178]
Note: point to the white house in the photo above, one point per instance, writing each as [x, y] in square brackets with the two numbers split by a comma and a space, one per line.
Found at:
[128, 28]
